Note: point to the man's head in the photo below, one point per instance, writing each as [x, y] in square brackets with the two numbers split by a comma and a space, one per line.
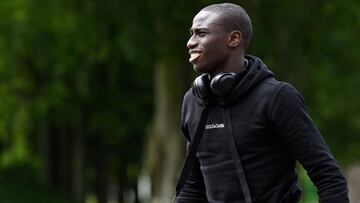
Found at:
[220, 35]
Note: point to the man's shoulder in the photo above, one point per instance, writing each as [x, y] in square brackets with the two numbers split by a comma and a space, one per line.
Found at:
[189, 100]
[271, 85]
[188, 96]
[274, 84]
[274, 89]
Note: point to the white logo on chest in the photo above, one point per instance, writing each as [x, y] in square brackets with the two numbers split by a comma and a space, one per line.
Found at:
[213, 126]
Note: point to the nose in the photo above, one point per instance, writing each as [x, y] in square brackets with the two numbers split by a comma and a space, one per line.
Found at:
[191, 42]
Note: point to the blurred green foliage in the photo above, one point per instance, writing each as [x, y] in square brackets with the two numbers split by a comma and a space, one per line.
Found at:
[85, 69]
[10, 191]
[73, 68]
[309, 189]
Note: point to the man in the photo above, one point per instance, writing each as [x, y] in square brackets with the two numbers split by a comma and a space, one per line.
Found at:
[255, 127]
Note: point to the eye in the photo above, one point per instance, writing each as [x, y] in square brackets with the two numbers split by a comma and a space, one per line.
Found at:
[202, 34]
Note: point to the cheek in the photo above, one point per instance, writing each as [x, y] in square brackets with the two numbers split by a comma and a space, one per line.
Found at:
[217, 45]
[217, 51]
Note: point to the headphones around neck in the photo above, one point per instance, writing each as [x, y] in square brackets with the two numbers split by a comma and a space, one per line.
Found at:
[220, 85]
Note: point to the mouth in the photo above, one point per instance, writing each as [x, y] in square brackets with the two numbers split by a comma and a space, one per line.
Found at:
[194, 55]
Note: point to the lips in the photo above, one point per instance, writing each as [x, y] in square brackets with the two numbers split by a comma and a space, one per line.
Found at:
[194, 55]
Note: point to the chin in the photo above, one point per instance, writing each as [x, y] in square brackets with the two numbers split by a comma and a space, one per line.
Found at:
[199, 69]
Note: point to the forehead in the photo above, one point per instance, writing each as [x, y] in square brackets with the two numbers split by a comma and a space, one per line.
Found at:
[205, 19]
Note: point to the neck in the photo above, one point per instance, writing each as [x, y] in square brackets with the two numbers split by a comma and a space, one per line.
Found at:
[234, 65]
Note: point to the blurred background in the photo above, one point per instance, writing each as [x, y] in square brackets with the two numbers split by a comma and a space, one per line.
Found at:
[91, 90]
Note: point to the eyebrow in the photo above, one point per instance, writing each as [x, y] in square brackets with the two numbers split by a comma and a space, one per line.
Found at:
[195, 30]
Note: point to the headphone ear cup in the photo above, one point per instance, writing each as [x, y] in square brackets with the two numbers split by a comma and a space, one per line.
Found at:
[201, 86]
[223, 83]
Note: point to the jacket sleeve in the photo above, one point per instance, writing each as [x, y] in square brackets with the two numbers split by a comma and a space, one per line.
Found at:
[302, 138]
[194, 187]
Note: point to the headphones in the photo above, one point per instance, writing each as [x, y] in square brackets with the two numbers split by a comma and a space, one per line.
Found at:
[220, 85]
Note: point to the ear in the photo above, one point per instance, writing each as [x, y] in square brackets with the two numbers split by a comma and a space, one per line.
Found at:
[234, 38]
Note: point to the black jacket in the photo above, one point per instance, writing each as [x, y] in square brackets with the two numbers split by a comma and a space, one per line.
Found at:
[271, 128]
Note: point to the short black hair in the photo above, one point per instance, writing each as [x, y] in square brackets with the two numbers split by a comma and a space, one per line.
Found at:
[234, 17]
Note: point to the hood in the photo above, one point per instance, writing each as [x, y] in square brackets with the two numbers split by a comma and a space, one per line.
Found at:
[257, 72]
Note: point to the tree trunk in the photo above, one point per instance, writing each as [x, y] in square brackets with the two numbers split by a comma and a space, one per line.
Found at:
[136, 194]
[57, 162]
[102, 170]
[166, 146]
[121, 184]
[44, 151]
[77, 158]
